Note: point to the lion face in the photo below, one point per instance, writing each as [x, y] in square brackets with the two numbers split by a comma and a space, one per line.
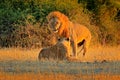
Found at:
[54, 24]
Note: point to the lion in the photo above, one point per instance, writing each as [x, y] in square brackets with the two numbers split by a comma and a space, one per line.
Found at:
[58, 51]
[74, 32]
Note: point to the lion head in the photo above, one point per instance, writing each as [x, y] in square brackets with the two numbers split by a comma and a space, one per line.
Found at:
[59, 23]
[60, 51]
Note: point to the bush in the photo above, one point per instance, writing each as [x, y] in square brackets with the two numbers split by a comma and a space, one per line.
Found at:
[23, 22]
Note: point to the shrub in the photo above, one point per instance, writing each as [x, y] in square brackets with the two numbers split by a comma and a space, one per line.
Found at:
[23, 22]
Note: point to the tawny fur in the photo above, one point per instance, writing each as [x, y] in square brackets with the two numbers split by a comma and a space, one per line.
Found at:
[75, 32]
[58, 51]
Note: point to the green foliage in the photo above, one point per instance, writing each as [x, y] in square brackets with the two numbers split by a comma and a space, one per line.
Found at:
[23, 22]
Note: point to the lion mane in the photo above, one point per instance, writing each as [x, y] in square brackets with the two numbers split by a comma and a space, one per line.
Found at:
[63, 30]
[77, 33]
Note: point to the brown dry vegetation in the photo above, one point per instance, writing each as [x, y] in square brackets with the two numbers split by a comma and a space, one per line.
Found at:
[22, 64]
[18, 54]
[23, 23]
[102, 53]
[32, 76]
[94, 54]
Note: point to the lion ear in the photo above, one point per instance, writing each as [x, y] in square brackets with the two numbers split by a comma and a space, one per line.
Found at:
[48, 17]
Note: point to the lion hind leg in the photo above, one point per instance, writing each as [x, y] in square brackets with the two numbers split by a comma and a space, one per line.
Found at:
[74, 48]
[85, 46]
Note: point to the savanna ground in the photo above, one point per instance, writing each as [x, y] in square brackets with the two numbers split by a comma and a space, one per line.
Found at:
[100, 63]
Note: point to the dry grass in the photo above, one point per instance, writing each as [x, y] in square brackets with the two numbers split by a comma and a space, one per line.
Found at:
[18, 54]
[101, 54]
[94, 54]
[27, 66]
[32, 76]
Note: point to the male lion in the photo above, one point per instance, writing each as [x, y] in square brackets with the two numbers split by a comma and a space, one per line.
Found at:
[74, 32]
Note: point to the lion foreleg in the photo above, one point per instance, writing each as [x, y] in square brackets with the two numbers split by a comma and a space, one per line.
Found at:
[86, 44]
[68, 50]
[74, 47]
[85, 48]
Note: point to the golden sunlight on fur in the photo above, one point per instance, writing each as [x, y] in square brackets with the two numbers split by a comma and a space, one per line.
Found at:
[76, 33]
[58, 51]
